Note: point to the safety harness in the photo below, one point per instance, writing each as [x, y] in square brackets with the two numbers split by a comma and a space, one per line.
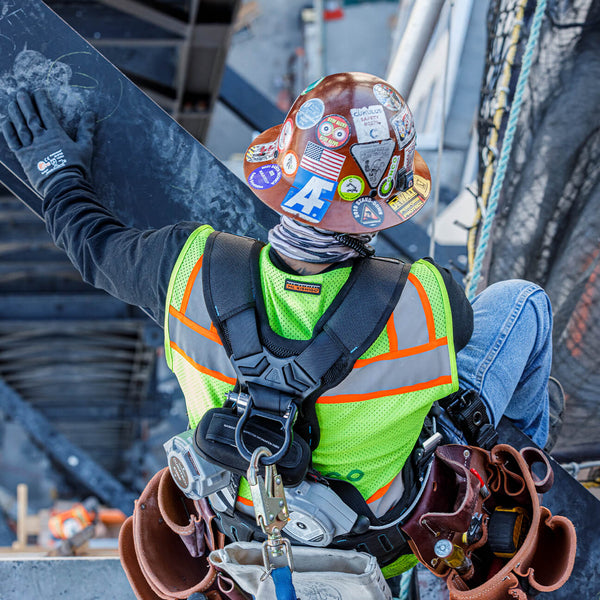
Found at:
[279, 380]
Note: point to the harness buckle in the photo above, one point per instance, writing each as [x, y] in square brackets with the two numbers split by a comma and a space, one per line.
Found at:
[270, 508]
[286, 421]
[268, 495]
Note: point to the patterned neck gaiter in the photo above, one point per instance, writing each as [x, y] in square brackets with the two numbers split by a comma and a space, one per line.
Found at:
[307, 243]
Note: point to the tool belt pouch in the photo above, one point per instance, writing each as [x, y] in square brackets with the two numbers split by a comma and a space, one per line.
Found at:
[164, 545]
[470, 494]
[318, 572]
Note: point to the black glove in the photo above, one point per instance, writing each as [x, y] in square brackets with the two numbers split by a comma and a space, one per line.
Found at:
[41, 145]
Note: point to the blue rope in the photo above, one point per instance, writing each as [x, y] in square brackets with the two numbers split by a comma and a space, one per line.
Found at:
[506, 147]
[284, 588]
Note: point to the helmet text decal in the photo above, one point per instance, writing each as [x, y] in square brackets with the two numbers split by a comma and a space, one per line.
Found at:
[310, 197]
[367, 212]
[264, 177]
[406, 204]
[387, 185]
[370, 123]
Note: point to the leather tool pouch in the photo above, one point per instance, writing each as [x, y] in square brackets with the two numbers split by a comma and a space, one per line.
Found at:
[164, 546]
[470, 491]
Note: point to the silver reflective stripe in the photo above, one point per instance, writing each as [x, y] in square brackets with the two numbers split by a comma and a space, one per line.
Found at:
[196, 307]
[409, 319]
[391, 497]
[200, 349]
[384, 375]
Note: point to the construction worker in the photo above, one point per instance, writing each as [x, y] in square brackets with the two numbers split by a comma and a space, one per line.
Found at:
[342, 167]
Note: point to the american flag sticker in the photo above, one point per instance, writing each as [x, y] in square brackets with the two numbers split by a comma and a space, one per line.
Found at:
[323, 162]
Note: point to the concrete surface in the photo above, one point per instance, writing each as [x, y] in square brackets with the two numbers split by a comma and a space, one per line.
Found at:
[38, 578]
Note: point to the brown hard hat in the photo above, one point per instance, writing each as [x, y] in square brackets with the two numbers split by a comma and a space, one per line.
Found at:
[344, 159]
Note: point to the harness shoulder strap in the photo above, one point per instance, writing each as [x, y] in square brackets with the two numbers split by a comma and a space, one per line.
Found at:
[278, 385]
[227, 278]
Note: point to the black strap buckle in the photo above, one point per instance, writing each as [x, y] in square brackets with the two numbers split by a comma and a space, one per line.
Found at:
[286, 421]
[468, 412]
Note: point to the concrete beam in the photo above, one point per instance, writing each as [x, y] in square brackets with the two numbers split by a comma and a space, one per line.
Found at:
[83, 578]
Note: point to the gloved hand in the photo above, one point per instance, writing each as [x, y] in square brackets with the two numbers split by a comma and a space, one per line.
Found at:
[41, 145]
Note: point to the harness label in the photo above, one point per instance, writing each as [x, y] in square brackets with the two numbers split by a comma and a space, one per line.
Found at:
[302, 287]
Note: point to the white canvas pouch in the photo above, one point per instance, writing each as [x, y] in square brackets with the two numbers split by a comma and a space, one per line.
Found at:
[319, 573]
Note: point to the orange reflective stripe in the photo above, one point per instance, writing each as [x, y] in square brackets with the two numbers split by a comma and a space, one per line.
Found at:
[209, 372]
[426, 305]
[380, 492]
[392, 335]
[342, 399]
[363, 362]
[190, 284]
[245, 501]
[211, 333]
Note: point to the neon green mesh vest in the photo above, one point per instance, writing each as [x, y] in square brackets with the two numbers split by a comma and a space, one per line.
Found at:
[370, 422]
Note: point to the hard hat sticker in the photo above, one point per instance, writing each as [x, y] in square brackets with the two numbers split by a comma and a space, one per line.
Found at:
[367, 212]
[404, 127]
[373, 159]
[323, 162]
[370, 123]
[310, 113]
[310, 197]
[387, 96]
[312, 86]
[264, 177]
[406, 204]
[285, 137]
[351, 187]
[422, 185]
[386, 187]
[289, 164]
[333, 131]
[261, 152]
[409, 155]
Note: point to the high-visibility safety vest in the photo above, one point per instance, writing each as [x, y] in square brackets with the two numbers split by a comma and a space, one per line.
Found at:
[369, 422]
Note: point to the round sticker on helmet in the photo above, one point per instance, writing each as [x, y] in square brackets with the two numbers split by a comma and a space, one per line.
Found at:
[387, 96]
[333, 131]
[289, 164]
[310, 113]
[367, 212]
[386, 187]
[312, 86]
[351, 187]
[285, 136]
[264, 177]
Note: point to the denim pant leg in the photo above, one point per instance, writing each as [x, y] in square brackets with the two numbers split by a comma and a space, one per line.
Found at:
[509, 356]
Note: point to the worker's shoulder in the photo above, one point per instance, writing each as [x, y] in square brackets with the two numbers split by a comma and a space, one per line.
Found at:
[425, 265]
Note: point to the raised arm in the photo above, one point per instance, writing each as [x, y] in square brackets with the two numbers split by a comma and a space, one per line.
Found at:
[128, 263]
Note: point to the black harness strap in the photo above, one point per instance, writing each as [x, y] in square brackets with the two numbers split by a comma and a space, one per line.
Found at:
[277, 385]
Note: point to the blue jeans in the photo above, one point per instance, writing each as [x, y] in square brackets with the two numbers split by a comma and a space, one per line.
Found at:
[508, 359]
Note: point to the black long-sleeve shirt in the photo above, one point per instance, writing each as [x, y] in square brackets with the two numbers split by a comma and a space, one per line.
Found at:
[135, 265]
